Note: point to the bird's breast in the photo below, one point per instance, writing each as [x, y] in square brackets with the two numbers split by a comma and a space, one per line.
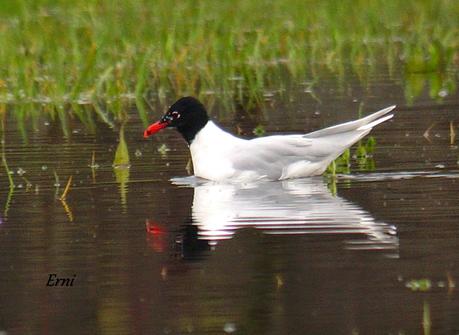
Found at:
[210, 162]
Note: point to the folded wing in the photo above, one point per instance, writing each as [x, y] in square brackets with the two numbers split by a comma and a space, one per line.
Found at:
[292, 156]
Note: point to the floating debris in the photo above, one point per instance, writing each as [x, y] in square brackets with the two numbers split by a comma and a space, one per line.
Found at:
[163, 149]
[67, 188]
[93, 164]
[20, 171]
[28, 184]
[443, 93]
[229, 327]
[427, 132]
[421, 285]
[56, 180]
[138, 153]
[279, 281]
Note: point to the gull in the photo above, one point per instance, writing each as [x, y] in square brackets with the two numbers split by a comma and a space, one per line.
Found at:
[220, 156]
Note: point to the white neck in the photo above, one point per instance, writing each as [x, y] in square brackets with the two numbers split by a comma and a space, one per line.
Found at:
[209, 152]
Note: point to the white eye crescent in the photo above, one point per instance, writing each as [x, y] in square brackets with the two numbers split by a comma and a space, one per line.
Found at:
[176, 114]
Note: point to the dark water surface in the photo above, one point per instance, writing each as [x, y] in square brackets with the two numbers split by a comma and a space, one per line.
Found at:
[377, 252]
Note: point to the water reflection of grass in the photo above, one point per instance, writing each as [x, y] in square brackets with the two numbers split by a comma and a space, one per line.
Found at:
[4, 162]
[61, 53]
[121, 165]
[8, 172]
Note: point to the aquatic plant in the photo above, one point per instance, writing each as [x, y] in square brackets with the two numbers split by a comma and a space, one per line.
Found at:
[121, 166]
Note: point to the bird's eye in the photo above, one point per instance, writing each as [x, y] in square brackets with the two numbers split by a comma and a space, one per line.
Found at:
[175, 114]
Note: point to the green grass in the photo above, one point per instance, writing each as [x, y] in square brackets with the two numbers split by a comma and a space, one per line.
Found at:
[59, 54]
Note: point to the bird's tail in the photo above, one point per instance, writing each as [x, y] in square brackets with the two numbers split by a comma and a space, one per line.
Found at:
[362, 124]
[332, 141]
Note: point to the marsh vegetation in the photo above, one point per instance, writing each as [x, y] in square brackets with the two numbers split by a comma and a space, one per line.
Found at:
[96, 57]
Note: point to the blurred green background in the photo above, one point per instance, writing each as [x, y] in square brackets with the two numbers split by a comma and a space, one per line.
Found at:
[112, 53]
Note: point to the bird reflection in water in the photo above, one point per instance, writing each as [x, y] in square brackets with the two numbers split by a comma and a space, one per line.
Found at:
[186, 243]
[295, 207]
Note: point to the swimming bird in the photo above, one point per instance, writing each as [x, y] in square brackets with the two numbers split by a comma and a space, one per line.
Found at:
[220, 156]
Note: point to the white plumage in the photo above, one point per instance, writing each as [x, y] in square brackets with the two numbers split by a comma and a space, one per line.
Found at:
[218, 155]
[298, 207]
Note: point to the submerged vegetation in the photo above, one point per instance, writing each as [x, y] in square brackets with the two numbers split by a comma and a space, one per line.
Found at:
[61, 54]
